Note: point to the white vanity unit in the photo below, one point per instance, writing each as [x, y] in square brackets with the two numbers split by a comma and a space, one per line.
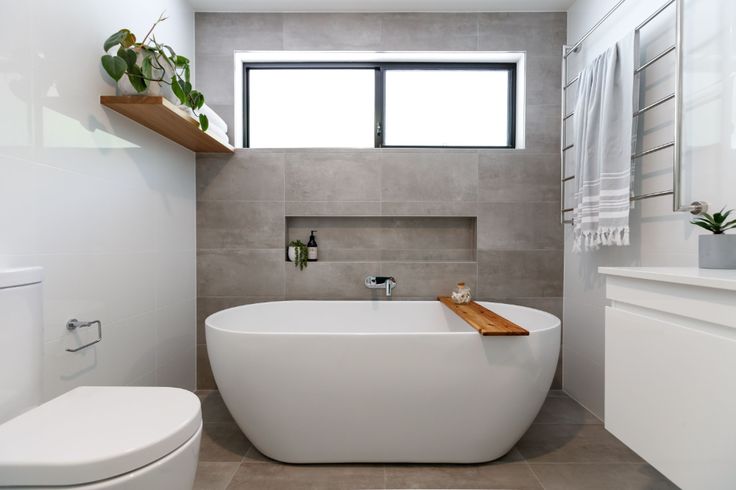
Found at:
[670, 368]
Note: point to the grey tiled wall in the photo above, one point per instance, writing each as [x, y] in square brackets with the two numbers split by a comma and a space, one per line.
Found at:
[511, 196]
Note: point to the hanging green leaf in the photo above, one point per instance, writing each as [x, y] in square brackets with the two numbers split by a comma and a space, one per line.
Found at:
[114, 66]
[147, 67]
[204, 123]
[196, 100]
[172, 53]
[187, 73]
[176, 88]
[128, 39]
[186, 87]
[116, 38]
[181, 61]
[129, 56]
[137, 80]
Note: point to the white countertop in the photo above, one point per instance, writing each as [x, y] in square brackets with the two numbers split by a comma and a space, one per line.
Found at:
[692, 276]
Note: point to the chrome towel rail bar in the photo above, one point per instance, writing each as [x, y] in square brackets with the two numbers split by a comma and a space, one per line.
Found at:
[675, 192]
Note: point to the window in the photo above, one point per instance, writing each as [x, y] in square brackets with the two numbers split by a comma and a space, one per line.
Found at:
[366, 105]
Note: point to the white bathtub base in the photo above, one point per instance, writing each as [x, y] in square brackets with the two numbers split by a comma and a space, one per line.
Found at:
[446, 396]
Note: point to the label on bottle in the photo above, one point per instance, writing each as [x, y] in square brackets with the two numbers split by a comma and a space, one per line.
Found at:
[311, 253]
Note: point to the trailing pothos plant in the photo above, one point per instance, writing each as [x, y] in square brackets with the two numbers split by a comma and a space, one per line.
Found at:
[717, 223]
[300, 253]
[159, 63]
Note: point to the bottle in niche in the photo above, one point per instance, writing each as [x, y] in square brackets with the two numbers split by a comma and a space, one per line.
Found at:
[312, 248]
[461, 294]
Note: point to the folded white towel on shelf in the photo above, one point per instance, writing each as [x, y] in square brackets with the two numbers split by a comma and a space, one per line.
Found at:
[603, 146]
[218, 134]
[212, 117]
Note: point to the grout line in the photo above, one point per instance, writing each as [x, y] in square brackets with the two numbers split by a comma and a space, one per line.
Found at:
[581, 404]
[536, 477]
[232, 477]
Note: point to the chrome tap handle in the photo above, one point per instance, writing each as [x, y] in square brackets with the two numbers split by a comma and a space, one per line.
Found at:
[74, 324]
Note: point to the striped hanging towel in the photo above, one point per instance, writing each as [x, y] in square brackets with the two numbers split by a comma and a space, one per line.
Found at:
[603, 143]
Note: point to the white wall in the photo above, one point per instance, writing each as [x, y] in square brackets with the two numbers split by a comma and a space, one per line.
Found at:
[106, 206]
[659, 236]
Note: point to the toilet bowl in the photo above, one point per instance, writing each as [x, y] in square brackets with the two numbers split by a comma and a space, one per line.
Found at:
[92, 437]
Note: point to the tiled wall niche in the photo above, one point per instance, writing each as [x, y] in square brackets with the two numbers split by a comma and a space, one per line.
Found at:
[387, 238]
[245, 200]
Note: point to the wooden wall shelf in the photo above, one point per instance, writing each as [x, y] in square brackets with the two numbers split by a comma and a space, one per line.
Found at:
[160, 115]
[483, 320]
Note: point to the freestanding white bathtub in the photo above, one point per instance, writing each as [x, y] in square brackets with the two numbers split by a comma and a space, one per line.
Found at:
[381, 381]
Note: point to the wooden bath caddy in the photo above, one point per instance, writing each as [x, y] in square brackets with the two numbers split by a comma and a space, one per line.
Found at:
[482, 319]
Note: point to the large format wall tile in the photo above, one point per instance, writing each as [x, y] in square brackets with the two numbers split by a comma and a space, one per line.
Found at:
[240, 272]
[519, 274]
[245, 175]
[327, 176]
[513, 176]
[330, 280]
[430, 208]
[331, 31]
[538, 33]
[429, 176]
[543, 128]
[216, 72]
[221, 34]
[333, 208]
[519, 226]
[240, 224]
[429, 279]
[429, 31]
[543, 80]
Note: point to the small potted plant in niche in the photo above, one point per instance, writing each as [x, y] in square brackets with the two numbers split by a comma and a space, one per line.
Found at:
[297, 253]
[151, 68]
[717, 250]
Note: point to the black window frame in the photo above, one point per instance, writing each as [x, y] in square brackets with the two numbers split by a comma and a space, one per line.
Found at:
[380, 69]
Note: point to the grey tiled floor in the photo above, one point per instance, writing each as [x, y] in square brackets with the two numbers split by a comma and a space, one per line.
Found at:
[566, 448]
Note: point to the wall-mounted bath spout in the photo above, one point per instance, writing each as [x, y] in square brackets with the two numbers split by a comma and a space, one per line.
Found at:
[379, 282]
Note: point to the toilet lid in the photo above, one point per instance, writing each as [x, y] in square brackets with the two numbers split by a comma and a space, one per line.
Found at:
[93, 433]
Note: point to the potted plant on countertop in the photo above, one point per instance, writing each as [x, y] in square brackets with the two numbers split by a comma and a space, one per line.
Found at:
[717, 250]
[151, 68]
[297, 253]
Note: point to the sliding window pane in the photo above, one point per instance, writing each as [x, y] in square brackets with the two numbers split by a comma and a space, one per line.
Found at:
[308, 108]
[446, 108]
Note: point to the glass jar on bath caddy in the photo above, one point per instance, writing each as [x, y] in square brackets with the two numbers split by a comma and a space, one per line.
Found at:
[461, 294]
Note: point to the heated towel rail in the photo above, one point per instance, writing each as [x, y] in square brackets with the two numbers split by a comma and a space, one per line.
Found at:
[676, 191]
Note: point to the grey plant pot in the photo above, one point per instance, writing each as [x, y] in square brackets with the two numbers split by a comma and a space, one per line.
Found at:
[717, 252]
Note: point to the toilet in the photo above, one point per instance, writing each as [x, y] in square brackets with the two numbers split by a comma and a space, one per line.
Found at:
[92, 437]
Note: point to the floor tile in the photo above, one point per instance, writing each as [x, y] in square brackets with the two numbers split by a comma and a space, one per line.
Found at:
[214, 476]
[485, 476]
[567, 448]
[307, 477]
[213, 408]
[223, 442]
[255, 456]
[567, 443]
[564, 410]
[601, 477]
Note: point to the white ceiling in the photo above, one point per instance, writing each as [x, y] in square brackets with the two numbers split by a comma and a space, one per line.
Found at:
[381, 5]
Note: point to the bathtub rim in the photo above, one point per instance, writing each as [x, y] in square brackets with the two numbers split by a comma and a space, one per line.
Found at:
[556, 324]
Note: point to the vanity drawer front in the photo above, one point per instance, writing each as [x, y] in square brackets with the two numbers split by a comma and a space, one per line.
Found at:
[670, 395]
